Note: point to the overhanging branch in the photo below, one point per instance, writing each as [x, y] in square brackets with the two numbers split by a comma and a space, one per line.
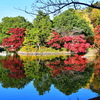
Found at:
[52, 7]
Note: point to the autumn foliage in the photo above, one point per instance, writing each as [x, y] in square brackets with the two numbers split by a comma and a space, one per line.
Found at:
[14, 42]
[97, 67]
[97, 36]
[15, 67]
[74, 63]
[73, 43]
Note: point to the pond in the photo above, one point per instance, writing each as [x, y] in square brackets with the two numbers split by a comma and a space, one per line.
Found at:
[56, 77]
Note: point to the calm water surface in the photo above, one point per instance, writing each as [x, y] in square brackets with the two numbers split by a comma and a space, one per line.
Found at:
[49, 78]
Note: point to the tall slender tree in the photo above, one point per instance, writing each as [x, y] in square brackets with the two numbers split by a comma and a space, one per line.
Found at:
[41, 29]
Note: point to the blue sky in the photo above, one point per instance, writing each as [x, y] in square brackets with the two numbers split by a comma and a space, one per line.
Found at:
[7, 8]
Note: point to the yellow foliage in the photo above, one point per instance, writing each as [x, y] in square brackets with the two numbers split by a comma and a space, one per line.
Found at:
[27, 58]
[91, 80]
[84, 14]
[95, 17]
[41, 57]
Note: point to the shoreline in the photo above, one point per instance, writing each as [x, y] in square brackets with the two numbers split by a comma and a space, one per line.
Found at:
[43, 53]
[89, 53]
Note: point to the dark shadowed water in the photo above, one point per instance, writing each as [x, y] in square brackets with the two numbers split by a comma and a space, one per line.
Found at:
[49, 78]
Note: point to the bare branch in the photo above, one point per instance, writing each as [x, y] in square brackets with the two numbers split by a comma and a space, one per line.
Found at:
[92, 1]
[55, 6]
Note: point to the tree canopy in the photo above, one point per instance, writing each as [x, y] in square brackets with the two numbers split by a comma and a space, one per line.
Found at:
[71, 22]
[13, 22]
[41, 29]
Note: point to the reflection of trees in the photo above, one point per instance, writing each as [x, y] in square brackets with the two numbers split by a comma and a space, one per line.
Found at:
[15, 67]
[68, 83]
[38, 71]
[95, 85]
[67, 77]
[70, 74]
[42, 84]
[73, 63]
[12, 73]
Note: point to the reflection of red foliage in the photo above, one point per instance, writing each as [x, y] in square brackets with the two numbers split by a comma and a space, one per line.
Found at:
[76, 63]
[97, 36]
[15, 65]
[77, 59]
[97, 67]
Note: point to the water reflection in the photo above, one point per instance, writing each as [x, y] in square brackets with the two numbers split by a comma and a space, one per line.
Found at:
[67, 73]
[70, 74]
[95, 84]
[12, 72]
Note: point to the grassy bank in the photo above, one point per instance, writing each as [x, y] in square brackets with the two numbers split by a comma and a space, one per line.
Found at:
[41, 50]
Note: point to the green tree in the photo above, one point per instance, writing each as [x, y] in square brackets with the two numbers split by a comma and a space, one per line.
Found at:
[41, 30]
[71, 22]
[13, 22]
[38, 71]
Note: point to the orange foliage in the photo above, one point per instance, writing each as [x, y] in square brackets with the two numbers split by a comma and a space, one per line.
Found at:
[97, 36]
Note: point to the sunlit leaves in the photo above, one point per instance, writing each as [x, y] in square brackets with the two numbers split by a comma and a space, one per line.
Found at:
[95, 17]
[12, 22]
[76, 44]
[68, 20]
[38, 34]
[14, 42]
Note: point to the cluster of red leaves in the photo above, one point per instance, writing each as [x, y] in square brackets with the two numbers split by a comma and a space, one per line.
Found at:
[75, 63]
[76, 43]
[16, 67]
[14, 42]
[56, 40]
[97, 36]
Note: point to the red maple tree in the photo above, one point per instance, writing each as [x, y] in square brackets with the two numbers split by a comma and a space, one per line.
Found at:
[56, 40]
[74, 43]
[77, 44]
[14, 42]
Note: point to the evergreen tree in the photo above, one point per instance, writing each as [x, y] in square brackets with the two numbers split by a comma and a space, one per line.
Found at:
[71, 22]
[41, 29]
